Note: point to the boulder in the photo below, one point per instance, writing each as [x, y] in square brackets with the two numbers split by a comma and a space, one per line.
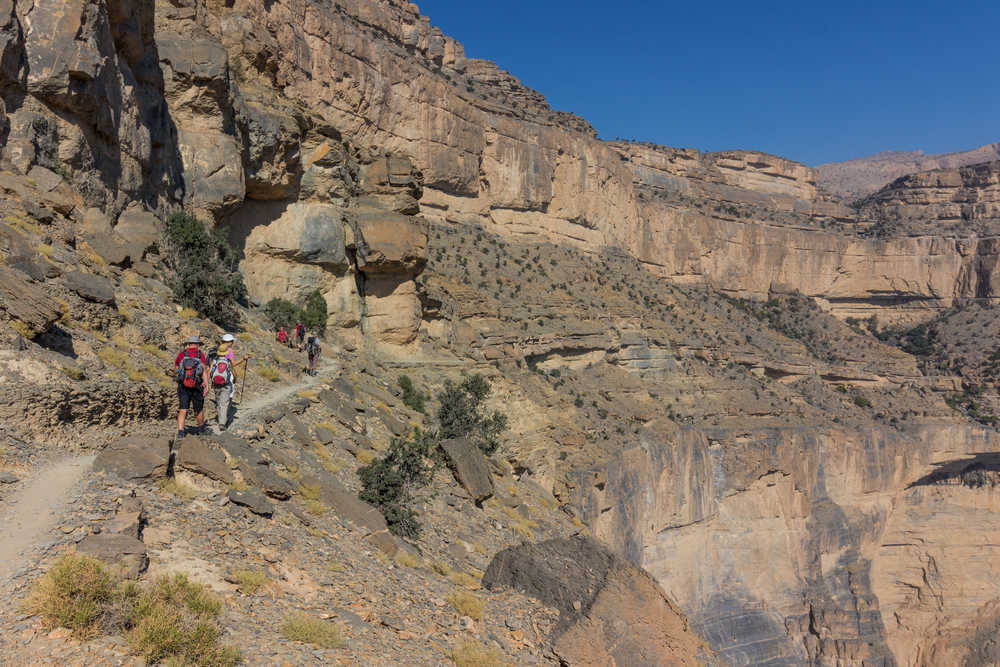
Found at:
[8, 478]
[203, 457]
[611, 612]
[324, 435]
[26, 303]
[349, 507]
[91, 287]
[123, 552]
[139, 231]
[135, 458]
[394, 243]
[470, 467]
[252, 500]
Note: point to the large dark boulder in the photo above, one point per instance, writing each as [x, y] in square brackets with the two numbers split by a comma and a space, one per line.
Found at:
[135, 458]
[203, 457]
[253, 501]
[27, 303]
[611, 612]
[470, 467]
[91, 287]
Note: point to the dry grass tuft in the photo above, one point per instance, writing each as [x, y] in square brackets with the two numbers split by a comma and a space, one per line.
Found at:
[466, 580]
[467, 604]
[248, 581]
[302, 627]
[471, 653]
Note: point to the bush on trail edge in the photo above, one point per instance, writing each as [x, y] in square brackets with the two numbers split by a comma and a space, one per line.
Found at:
[284, 313]
[204, 266]
[390, 482]
[170, 619]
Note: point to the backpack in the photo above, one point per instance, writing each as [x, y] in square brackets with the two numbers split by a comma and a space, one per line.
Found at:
[189, 372]
[312, 347]
[221, 373]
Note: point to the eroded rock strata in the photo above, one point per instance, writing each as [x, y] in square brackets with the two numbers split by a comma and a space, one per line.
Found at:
[801, 490]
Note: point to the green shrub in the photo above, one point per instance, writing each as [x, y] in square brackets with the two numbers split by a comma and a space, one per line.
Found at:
[282, 313]
[74, 594]
[314, 313]
[204, 265]
[389, 481]
[412, 397]
[461, 414]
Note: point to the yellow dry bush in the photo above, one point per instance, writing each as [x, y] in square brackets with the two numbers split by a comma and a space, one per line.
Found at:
[303, 627]
[467, 604]
[471, 653]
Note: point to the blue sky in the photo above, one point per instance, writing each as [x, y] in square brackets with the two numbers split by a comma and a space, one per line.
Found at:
[814, 81]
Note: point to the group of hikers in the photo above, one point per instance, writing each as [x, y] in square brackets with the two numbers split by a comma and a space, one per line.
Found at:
[196, 373]
[310, 342]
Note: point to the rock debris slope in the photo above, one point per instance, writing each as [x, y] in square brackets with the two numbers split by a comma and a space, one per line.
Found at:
[780, 407]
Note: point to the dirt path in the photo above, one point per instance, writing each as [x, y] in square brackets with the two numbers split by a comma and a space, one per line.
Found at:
[246, 409]
[33, 511]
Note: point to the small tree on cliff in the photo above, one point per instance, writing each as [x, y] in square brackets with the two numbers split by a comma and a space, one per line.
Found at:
[204, 266]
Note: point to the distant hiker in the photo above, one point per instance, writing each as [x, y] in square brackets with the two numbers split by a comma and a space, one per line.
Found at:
[192, 383]
[223, 378]
[312, 350]
[300, 333]
[282, 336]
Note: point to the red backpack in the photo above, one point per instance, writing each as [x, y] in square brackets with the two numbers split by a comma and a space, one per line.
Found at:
[221, 374]
[189, 371]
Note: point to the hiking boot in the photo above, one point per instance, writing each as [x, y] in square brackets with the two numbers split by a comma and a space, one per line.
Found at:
[180, 434]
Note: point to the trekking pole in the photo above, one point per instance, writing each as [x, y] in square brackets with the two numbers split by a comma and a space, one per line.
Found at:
[246, 371]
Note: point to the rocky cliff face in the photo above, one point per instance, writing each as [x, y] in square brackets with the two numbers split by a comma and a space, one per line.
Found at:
[856, 179]
[964, 202]
[826, 547]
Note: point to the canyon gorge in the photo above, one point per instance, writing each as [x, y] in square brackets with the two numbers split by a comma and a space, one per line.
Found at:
[707, 359]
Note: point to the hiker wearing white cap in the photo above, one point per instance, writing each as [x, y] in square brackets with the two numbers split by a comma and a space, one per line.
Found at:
[223, 377]
[192, 383]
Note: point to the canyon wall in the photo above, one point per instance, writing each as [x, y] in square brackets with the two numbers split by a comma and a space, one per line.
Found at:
[821, 546]
[492, 153]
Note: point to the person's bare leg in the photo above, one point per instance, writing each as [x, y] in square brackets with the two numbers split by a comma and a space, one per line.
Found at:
[201, 418]
[180, 419]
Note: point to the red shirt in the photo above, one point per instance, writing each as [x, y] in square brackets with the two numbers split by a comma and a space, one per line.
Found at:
[282, 335]
[190, 352]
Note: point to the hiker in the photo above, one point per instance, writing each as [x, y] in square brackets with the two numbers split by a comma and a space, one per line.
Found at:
[300, 333]
[191, 368]
[223, 378]
[312, 350]
[282, 336]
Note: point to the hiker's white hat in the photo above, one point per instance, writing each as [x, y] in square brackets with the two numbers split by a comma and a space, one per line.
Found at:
[227, 338]
[196, 340]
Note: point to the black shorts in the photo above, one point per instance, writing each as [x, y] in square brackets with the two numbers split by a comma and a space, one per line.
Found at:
[191, 398]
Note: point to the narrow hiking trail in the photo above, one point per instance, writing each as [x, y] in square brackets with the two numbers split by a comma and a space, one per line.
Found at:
[32, 512]
[247, 409]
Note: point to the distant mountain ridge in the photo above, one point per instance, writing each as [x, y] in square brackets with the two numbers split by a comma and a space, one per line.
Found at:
[854, 179]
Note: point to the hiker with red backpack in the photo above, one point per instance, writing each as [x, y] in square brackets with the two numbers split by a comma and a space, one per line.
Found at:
[300, 333]
[223, 377]
[192, 383]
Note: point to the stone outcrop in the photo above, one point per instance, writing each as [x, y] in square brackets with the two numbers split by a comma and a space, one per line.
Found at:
[612, 613]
